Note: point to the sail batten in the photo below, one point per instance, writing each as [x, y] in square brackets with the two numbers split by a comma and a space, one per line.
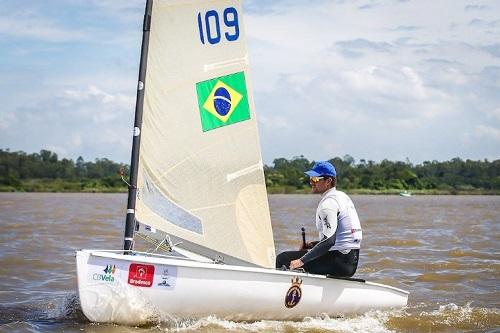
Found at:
[200, 175]
[244, 171]
[213, 207]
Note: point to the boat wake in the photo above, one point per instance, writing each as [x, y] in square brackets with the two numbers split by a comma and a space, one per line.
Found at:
[419, 318]
[374, 322]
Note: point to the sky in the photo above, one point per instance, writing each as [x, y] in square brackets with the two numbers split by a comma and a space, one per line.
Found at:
[373, 79]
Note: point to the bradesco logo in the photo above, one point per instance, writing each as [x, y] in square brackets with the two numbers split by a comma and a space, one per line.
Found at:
[141, 275]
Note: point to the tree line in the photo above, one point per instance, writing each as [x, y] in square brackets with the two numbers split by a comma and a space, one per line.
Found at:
[451, 177]
[45, 172]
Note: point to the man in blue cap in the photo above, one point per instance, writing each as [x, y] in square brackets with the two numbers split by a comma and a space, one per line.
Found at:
[337, 251]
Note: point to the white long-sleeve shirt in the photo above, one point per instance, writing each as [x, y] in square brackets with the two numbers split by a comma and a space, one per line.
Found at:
[337, 223]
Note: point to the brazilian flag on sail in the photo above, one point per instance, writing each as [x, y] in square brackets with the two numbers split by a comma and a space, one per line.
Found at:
[223, 101]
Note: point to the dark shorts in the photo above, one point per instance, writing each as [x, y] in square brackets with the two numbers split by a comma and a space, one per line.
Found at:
[334, 263]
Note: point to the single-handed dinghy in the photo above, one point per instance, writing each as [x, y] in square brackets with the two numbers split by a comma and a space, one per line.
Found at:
[197, 191]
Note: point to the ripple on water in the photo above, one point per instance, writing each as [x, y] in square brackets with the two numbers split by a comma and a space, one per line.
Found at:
[399, 243]
[441, 277]
[447, 318]
[62, 308]
[442, 265]
[460, 253]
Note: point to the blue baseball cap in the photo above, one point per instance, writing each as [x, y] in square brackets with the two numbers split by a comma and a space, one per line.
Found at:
[322, 168]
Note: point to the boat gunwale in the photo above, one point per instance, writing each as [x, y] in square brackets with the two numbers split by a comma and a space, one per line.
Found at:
[187, 262]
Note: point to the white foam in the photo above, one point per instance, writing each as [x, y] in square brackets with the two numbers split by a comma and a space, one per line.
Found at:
[371, 322]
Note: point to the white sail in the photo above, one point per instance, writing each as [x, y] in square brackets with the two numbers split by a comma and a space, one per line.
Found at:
[200, 174]
[200, 180]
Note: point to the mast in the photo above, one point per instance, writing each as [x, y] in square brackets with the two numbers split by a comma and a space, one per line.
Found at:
[134, 163]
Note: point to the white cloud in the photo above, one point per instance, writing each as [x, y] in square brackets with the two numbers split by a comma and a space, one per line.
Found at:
[476, 7]
[7, 119]
[88, 121]
[276, 123]
[495, 114]
[97, 105]
[116, 6]
[90, 93]
[487, 132]
[31, 26]
[76, 140]
[360, 46]
[398, 83]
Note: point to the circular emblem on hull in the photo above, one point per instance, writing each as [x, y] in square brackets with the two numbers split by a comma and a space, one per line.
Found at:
[222, 101]
[294, 293]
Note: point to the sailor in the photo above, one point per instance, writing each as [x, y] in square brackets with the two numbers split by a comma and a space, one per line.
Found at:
[337, 251]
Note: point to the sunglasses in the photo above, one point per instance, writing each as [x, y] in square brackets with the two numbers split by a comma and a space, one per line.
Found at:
[315, 179]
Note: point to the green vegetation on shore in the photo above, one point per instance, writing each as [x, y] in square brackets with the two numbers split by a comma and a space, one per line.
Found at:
[368, 177]
[44, 172]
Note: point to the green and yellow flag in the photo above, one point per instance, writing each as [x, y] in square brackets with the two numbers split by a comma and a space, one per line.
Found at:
[223, 101]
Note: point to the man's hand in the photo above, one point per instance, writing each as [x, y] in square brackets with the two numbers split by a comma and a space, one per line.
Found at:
[296, 264]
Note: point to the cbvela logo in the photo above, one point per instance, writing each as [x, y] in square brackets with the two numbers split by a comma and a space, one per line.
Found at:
[141, 275]
[108, 276]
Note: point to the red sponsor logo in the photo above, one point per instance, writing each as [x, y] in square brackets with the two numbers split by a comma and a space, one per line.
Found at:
[141, 275]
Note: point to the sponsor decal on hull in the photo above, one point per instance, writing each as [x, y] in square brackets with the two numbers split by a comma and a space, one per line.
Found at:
[294, 293]
[167, 278]
[106, 275]
[141, 275]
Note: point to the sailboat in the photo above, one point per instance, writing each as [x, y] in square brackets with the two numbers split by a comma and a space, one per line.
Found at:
[197, 192]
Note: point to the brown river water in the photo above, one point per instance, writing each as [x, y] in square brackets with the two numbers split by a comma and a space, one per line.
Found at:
[445, 250]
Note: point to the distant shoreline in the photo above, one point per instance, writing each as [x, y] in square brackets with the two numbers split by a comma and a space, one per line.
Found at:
[389, 191]
[44, 172]
[58, 186]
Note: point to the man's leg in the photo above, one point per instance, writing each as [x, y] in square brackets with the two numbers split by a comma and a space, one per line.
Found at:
[284, 258]
[335, 263]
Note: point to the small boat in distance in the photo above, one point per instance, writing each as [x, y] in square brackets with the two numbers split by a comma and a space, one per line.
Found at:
[197, 192]
[405, 194]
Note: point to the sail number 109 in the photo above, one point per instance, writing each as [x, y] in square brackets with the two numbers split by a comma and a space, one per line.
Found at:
[209, 26]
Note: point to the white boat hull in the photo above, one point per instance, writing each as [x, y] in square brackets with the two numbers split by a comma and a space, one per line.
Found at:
[135, 289]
